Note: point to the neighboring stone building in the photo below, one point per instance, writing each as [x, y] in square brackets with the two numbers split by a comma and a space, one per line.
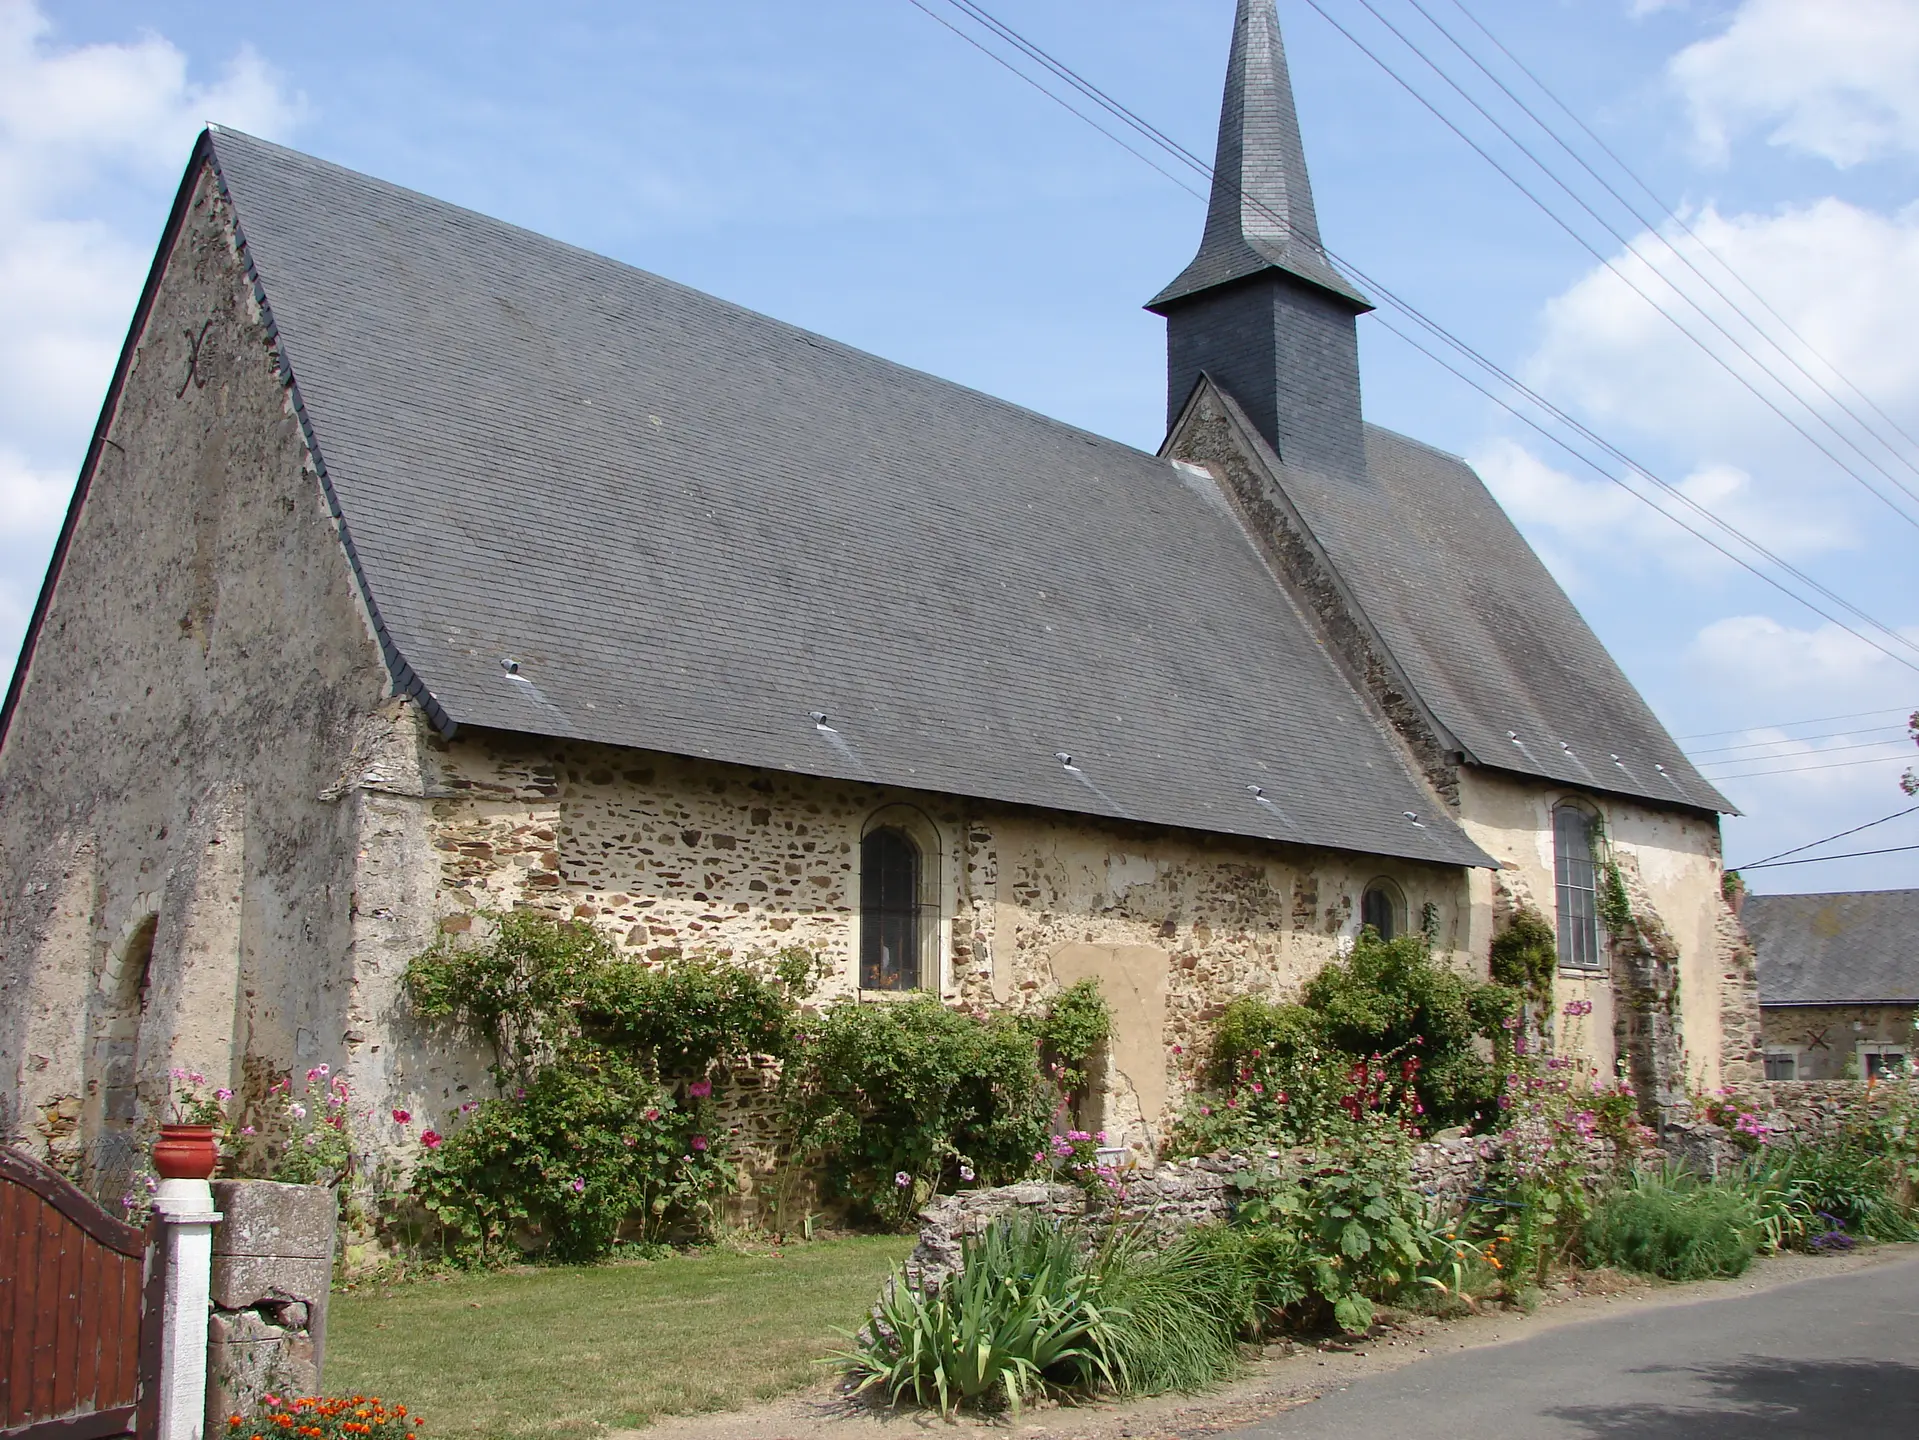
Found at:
[1838, 981]
[422, 566]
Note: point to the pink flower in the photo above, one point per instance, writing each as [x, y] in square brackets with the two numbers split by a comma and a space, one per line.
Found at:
[579, 1184]
[700, 1089]
[652, 1112]
[223, 1094]
[966, 1172]
[699, 1143]
[403, 1117]
[431, 1139]
[902, 1179]
[248, 1130]
[469, 1107]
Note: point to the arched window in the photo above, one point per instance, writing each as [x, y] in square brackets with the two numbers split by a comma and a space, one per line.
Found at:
[1576, 884]
[1381, 907]
[890, 933]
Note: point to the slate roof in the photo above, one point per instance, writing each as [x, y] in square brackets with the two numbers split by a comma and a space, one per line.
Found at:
[1484, 633]
[1848, 948]
[1261, 214]
[691, 527]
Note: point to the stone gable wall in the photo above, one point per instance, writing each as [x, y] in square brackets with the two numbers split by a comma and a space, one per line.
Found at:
[203, 674]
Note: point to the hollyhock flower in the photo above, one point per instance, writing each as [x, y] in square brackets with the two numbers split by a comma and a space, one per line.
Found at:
[902, 1179]
[652, 1112]
[579, 1184]
[403, 1117]
[469, 1107]
[966, 1172]
[699, 1143]
[431, 1139]
[700, 1089]
[298, 1112]
[223, 1094]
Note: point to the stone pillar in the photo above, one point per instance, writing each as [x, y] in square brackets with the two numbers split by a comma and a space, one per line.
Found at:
[186, 1212]
[272, 1269]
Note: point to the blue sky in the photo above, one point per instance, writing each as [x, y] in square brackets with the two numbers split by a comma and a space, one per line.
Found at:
[851, 166]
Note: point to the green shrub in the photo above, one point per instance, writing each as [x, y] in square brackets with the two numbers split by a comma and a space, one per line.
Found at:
[1525, 955]
[592, 1144]
[1385, 1026]
[1020, 1315]
[904, 1098]
[1071, 1031]
[1850, 1179]
[682, 1016]
[1675, 1226]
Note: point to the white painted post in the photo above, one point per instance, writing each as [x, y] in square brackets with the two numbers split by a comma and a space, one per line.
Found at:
[185, 1208]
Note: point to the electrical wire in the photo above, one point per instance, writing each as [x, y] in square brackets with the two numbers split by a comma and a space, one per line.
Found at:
[1821, 859]
[1652, 229]
[1180, 153]
[1604, 260]
[1797, 849]
[1799, 754]
[1795, 739]
[1672, 214]
[1807, 769]
[1810, 720]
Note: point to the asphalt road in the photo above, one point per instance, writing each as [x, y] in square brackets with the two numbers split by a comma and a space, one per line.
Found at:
[1833, 1356]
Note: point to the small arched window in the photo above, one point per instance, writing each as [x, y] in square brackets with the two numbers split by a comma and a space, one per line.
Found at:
[890, 931]
[1576, 883]
[1381, 907]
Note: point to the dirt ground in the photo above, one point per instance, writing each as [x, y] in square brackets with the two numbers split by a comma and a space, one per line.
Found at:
[1281, 1377]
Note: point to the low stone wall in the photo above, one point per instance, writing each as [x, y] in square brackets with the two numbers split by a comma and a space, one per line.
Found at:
[272, 1271]
[1167, 1200]
[1814, 1109]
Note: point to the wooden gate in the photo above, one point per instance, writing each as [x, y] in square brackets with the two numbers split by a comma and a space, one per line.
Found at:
[80, 1301]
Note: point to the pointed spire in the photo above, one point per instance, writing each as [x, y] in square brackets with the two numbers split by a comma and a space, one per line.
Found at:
[1261, 216]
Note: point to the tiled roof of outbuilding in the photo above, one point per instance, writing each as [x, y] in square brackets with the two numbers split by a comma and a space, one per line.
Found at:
[691, 527]
[1846, 948]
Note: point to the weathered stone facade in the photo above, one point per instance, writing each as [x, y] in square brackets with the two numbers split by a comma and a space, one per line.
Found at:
[670, 854]
[180, 872]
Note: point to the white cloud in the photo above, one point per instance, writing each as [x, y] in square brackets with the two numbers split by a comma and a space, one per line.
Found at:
[1594, 518]
[1841, 275]
[76, 123]
[1834, 78]
[84, 130]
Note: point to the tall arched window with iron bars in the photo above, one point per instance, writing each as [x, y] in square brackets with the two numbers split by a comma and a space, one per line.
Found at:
[890, 936]
[1576, 883]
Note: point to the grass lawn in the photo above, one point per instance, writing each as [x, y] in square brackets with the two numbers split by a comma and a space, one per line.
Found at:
[560, 1352]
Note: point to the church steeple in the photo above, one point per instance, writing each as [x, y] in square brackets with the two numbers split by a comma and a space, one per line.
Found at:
[1260, 308]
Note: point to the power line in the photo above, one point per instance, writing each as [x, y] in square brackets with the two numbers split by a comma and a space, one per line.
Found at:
[1909, 810]
[1812, 720]
[1607, 262]
[1679, 220]
[1173, 148]
[1796, 740]
[1804, 769]
[1653, 230]
[1821, 859]
[1800, 754]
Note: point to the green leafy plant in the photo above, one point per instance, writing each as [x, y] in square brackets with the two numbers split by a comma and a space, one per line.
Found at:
[1674, 1225]
[1071, 1030]
[1174, 1313]
[1525, 955]
[592, 1146]
[1279, 1074]
[1020, 1315]
[902, 1098]
[297, 1139]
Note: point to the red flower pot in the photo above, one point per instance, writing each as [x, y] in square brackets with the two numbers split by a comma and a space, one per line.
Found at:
[185, 1152]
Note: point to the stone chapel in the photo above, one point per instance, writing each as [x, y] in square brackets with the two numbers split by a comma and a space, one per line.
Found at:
[422, 566]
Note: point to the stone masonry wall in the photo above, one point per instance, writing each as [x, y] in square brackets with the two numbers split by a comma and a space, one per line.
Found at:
[670, 855]
[1825, 1039]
